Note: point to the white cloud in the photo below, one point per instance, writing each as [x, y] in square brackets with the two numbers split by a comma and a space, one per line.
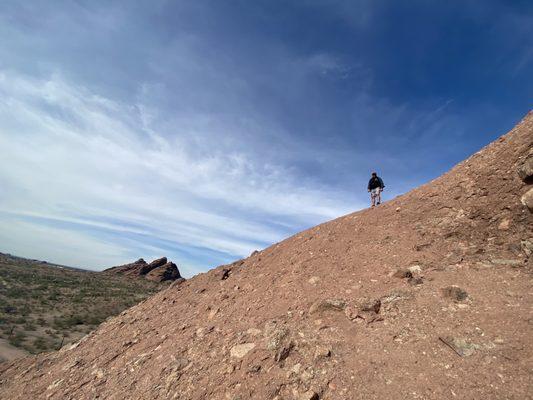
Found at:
[77, 157]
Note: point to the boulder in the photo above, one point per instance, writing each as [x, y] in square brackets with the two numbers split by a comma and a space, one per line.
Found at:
[527, 199]
[525, 169]
[165, 272]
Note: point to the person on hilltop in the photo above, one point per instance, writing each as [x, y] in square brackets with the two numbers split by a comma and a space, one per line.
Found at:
[375, 187]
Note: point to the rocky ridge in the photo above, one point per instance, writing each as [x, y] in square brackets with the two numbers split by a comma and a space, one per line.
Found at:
[427, 296]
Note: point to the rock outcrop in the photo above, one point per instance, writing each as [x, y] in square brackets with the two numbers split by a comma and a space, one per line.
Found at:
[153, 265]
[159, 270]
[166, 272]
[325, 314]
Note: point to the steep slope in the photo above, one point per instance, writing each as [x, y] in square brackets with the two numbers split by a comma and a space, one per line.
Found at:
[362, 307]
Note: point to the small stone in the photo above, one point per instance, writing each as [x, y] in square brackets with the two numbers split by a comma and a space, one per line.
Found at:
[415, 281]
[527, 246]
[254, 369]
[455, 293]
[502, 261]
[55, 384]
[327, 305]
[307, 375]
[314, 280]
[402, 273]
[253, 332]
[212, 314]
[230, 368]
[224, 274]
[296, 368]
[99, 373]
[527, 199]
[277, 338]
[504, 225]
[309, 395]
[372, 306]
[283, 352]
[415, 269]
[525, 170]
[240, 350]
[322, 352]
[460, 346]
[180, 363]
[200, 332]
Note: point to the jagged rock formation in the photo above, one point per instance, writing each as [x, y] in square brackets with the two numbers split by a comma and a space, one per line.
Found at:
[132, 269]
[166, 272]
[326, 314]
[159, 270]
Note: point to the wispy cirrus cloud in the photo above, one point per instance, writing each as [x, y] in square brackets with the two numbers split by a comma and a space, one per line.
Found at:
[93, 164]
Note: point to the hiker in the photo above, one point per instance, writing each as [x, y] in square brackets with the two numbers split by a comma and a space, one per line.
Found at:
[375, 187]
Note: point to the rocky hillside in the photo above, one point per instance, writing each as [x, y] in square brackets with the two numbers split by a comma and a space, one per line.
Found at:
[428, 296]
[159, 270]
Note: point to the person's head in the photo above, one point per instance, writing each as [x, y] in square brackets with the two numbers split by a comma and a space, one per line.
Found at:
[374, 174]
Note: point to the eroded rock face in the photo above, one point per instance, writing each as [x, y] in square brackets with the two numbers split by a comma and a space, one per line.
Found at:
[153, 265]
[165, 272]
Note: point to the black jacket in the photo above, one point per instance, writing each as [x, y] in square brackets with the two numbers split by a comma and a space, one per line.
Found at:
[376, 182]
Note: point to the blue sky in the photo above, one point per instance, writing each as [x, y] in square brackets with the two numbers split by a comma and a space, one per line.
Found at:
[202, 130]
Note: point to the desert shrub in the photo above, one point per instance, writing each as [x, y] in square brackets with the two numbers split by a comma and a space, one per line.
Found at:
[40, 344]
[58, 323]
[73, 320]
[17, 339]
[95, 319]
[29, 326]
[54, 294]
[16, 292]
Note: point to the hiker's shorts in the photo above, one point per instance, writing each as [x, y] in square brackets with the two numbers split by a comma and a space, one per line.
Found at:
[375, 192]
